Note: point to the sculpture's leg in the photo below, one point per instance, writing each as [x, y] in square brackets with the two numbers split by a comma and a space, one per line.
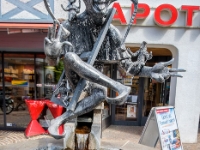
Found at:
[86, 71]
[85, 105]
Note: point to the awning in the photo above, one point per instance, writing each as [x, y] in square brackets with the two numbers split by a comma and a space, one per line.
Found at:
[25, 25]
[12, 28]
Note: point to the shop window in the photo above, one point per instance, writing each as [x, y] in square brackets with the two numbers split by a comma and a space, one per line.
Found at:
[129, 110]
[19, 77]
[1, 95]
[47, 77]
[155, 94]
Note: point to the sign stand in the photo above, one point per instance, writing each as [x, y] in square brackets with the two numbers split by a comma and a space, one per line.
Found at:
[162, 124]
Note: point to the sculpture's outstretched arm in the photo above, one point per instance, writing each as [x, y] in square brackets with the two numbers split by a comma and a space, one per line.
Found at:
[160, 72]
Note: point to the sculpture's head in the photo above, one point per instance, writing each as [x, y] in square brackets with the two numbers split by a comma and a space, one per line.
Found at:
[143, 46]
[97, 8]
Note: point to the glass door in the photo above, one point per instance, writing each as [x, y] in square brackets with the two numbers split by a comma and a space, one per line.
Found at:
[130, 112]
[19, 77]
[46, 77]
[155, 94]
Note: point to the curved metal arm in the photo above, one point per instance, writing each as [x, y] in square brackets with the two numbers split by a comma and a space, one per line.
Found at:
[48, 8]
[135, 2]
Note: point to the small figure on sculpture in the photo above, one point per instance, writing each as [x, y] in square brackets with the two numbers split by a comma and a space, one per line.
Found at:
[72, 9]
[63, 91]
[142, 56]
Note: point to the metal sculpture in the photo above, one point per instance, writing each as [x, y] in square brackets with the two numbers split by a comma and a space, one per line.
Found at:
[72, 9]
[92, 41]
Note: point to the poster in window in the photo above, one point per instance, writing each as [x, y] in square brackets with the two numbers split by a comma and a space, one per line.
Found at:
[131, 111]
[127, 81]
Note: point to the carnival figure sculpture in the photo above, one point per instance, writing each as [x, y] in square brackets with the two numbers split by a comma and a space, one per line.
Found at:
[92, 42]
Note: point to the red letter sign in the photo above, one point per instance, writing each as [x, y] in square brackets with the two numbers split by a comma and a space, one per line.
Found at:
[171, 9]
[189, 10]
[119, 15]
[144, 14]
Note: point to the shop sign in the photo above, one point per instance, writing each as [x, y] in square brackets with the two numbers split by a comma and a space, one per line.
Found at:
[162, 124]
[173, 11]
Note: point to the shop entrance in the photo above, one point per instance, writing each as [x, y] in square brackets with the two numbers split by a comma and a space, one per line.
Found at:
[145, 94]
[155, 94]
[129, 113]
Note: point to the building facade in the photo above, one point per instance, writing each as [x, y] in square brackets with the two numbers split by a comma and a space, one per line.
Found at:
[171, 29]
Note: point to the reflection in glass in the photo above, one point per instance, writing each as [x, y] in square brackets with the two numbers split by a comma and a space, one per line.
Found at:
[47, 77]
[1, 95]
[129, 110]
[19, 85]
[155, 94]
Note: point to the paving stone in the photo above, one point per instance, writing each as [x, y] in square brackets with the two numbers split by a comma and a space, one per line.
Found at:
[113, 138]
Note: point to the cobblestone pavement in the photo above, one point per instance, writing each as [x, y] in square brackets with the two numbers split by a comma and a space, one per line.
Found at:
[121, 137]
[10, 137]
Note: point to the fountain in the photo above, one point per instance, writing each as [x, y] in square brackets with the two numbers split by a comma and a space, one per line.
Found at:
[85, 42]
[84, 133]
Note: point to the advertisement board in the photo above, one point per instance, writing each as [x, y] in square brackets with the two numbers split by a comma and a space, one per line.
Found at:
[168, 129]
[162, 125]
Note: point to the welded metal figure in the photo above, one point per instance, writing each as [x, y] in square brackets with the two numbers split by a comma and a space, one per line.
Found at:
[142, 56]
[92, 42]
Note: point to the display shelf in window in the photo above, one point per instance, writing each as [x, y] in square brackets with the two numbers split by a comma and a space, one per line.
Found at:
[29, 77]
[12, 75]
[8, 77]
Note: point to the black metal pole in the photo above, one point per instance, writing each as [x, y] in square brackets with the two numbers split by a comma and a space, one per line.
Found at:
[3, 82]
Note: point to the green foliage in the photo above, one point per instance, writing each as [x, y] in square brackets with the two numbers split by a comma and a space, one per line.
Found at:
[58, 70]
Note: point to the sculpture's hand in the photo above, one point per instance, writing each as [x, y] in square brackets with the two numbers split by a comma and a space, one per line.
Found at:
[160, 72]
[52, 45]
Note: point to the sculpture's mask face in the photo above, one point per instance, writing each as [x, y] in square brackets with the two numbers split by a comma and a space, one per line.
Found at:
[97, 8]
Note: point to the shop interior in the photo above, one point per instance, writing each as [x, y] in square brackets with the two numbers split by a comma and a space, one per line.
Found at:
[26, 77]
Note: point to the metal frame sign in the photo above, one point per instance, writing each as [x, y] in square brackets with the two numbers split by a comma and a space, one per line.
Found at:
[162, 125]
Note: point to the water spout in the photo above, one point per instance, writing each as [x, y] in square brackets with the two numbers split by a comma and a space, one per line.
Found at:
[82, 141]
[82, 138]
